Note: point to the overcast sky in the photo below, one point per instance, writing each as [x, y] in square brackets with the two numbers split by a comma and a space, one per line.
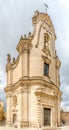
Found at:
[16, 20]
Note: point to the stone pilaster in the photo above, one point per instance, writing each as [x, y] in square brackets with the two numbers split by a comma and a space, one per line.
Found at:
[25, 66]
[39, 111]
[8, 110]
[58, 123]
[20, 111]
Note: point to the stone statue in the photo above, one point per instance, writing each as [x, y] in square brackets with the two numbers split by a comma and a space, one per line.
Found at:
[8, 58]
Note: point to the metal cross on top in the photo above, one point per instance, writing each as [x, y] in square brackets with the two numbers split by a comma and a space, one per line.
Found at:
[46, 6]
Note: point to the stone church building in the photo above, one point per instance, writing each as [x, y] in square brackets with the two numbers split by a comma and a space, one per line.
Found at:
[33, 82]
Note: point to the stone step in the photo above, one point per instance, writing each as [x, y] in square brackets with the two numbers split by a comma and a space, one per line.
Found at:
[50, 128]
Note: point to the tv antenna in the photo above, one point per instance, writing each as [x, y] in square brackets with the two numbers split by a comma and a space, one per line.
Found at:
[46, 6]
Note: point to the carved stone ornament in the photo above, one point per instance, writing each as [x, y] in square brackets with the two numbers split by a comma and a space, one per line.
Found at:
[46, 41]
[21, 38]
[46, 38]
[14, 101]
[14, 60]
[8, 58]
[46, 59]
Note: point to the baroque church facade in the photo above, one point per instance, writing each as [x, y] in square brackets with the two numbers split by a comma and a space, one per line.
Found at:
[33, 83]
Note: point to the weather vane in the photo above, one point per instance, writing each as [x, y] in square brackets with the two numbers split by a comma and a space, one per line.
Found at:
[47, 7]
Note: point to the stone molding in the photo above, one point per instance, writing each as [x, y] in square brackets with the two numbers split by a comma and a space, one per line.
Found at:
[31, 81]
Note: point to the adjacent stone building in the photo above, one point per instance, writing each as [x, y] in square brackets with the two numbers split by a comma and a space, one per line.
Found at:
[1, 111]
[64, 116]
[33, 82]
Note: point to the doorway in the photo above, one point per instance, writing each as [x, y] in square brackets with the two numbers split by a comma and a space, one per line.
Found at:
[47, 116]
[14, 119]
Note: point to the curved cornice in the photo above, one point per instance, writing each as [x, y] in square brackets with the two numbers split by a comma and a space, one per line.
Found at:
[31, 81]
